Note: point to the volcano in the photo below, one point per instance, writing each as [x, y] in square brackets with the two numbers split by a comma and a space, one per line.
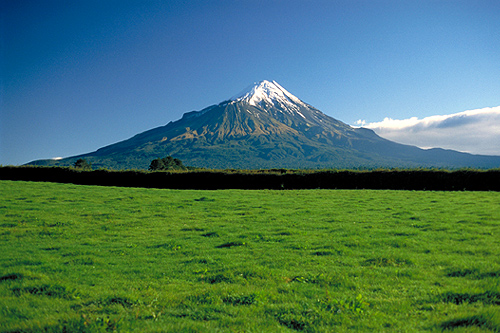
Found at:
[265, 126]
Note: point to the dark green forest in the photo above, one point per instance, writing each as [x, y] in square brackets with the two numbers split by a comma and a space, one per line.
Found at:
[397, 179]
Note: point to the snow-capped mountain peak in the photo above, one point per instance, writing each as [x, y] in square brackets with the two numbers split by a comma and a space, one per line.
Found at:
[266, 93]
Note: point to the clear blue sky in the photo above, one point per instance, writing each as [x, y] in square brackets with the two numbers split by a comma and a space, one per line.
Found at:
[79, 75]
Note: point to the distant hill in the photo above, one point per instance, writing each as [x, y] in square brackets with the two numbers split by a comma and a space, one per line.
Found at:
[265, 126]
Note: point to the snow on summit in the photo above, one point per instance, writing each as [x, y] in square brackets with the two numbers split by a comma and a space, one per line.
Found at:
[267, 93]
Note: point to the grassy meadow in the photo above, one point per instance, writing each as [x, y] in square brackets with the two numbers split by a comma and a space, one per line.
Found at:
[89, 258]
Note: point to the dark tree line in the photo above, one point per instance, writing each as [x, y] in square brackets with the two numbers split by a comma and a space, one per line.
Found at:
[471, 180]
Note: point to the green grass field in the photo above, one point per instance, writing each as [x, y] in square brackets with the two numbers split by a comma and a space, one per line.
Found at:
[88, 258]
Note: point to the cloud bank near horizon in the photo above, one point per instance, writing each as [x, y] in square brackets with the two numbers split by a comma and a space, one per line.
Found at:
[473, 131]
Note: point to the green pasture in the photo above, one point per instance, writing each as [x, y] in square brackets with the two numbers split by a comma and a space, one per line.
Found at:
[89, 258]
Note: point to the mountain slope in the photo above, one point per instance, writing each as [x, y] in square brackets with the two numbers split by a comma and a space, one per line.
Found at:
[265, 126]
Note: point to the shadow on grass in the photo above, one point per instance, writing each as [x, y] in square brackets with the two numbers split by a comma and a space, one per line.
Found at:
[12, 276]
[50, 290]
[488, 297]
[482, 321]
[473, 273]
[231, 244]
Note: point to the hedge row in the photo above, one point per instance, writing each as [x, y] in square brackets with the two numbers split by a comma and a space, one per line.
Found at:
[439, 180]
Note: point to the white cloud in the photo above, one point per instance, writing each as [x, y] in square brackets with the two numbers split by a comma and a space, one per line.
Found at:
[473, 131]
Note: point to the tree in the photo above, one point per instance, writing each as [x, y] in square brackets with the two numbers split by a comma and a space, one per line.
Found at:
[83, 164]
[166, 163]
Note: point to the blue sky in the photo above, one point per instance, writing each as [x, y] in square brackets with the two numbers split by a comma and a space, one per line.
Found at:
[79, 75]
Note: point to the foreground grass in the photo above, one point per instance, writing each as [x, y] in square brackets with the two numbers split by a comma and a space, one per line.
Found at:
[84, 258]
